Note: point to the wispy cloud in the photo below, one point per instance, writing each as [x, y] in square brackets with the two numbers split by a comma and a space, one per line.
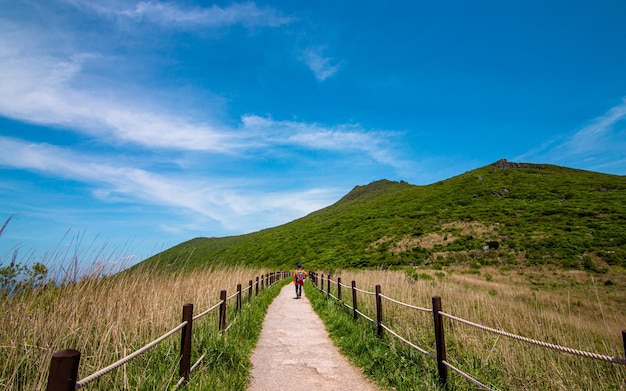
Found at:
[44, 89]
[172, 14]
[348, 138]
[39, 90]
[597, 134]
[594, 146]
[322, 66]
[222, 201]
[74, 89]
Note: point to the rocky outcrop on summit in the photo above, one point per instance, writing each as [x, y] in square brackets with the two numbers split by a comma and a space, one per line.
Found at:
[505, 164]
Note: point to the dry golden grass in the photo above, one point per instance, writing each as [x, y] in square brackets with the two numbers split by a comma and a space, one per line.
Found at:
[571, 309]
[104, 319]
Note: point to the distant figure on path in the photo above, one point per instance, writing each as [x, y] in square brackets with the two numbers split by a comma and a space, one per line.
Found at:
[299, 276]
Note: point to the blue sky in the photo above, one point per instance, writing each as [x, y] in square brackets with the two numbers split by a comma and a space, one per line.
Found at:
[133, 126]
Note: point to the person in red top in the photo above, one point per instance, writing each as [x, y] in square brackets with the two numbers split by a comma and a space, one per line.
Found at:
[299, 276]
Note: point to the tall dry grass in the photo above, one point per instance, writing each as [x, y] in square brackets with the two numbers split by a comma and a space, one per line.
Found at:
[571, 309]
[104, 318]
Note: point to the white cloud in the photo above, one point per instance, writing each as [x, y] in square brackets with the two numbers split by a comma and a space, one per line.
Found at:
[41, 89]
[51, 90]
[172, 14]
[223, 201]
[597, 134]
[58, 86]
[343, 138]
[323, 67]
[594, 146]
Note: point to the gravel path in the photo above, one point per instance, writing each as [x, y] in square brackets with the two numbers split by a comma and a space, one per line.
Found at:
[295, 353]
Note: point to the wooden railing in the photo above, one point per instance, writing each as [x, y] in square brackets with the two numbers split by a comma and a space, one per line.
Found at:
[440, 343]
[63, 375]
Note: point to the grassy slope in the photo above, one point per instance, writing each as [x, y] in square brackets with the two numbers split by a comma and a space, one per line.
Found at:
[537, 213]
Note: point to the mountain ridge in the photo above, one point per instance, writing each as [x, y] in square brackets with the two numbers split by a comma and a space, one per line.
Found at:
[536, 213]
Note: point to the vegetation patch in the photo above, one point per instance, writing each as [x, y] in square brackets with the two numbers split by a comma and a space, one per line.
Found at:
[386, 363]
[501, 214]
[545, 304]
[110, 317]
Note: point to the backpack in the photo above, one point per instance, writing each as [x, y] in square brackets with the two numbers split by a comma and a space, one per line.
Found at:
[299, 276]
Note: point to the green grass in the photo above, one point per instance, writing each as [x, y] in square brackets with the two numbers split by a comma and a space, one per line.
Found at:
[110, 317]
[228, 366]
[589, 318]
[385, 362]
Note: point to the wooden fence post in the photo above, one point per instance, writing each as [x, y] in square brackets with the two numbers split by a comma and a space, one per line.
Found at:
[63, 370]
[354, 308]
[624, 340]
[222, 319]
[328, 279]
[250, 292]
[185, 342]
[322, 284]
[440, 342]
[257, 286]
[379, 313]
[339, 288]
[262, 281]
[238, 297]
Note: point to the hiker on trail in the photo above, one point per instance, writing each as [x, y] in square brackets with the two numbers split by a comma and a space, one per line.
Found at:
[298, 278]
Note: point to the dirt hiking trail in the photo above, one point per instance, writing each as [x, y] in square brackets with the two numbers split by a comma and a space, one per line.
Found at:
[295, 353]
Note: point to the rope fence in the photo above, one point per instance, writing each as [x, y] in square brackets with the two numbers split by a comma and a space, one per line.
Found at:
[365, 316]
[576, 352]
[405, 304]
[365, 292]
[64, 364]
[467, 377]
[200, 315]
[131, 356]
[411, 344]
[229, 298]
[442, 364]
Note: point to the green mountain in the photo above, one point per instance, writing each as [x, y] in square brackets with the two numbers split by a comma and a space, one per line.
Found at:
[501, 214]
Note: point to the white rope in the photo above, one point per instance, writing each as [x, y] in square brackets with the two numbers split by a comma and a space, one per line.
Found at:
[467, 377]
[362, 291]
[581, 353]
[124, 360]
[405, 304]
[196, 363]
[365, 316]
[409, 343]
[207, 311]
[346, 286]
[231, 296]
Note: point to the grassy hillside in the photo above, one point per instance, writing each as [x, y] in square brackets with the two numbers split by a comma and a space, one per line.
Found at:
[524, 213]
